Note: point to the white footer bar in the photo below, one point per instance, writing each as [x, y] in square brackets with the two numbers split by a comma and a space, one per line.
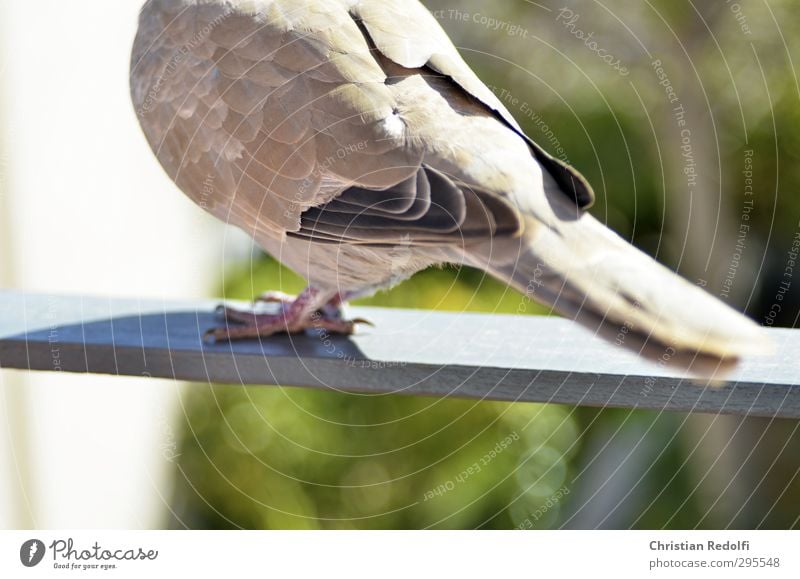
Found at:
[389, 554]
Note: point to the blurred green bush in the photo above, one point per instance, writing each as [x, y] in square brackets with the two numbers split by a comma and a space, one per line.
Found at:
[289, 458]
[295, 458]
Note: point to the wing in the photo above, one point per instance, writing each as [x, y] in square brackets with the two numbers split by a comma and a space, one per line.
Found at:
[429, 208]
[423, 43]
[279, 117]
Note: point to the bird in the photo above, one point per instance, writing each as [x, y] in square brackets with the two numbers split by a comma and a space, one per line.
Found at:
[353, 143]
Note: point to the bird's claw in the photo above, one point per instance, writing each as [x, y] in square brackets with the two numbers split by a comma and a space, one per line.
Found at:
[248, 324]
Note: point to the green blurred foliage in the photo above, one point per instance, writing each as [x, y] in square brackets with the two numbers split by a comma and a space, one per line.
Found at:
[290, 458]
[294, 458]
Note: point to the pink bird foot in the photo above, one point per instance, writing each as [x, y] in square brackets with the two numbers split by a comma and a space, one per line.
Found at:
[296, 315]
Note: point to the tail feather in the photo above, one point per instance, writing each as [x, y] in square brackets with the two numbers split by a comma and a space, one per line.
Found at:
[588, 273]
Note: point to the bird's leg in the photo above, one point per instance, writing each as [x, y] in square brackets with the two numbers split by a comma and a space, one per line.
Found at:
[274, 297]
[308, 310]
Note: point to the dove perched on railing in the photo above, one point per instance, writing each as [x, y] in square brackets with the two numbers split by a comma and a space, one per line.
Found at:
[353, 143]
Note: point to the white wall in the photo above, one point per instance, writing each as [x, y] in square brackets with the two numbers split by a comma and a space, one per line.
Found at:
[86, 210]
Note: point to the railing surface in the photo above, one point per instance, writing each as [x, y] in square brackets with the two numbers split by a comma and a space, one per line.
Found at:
[491, 357]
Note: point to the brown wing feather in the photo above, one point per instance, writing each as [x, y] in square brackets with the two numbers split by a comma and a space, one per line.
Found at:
[263, 117]
[260, 116]
[437, 210]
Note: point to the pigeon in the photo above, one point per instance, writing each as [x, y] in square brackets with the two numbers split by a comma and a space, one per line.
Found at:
[354, 144]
